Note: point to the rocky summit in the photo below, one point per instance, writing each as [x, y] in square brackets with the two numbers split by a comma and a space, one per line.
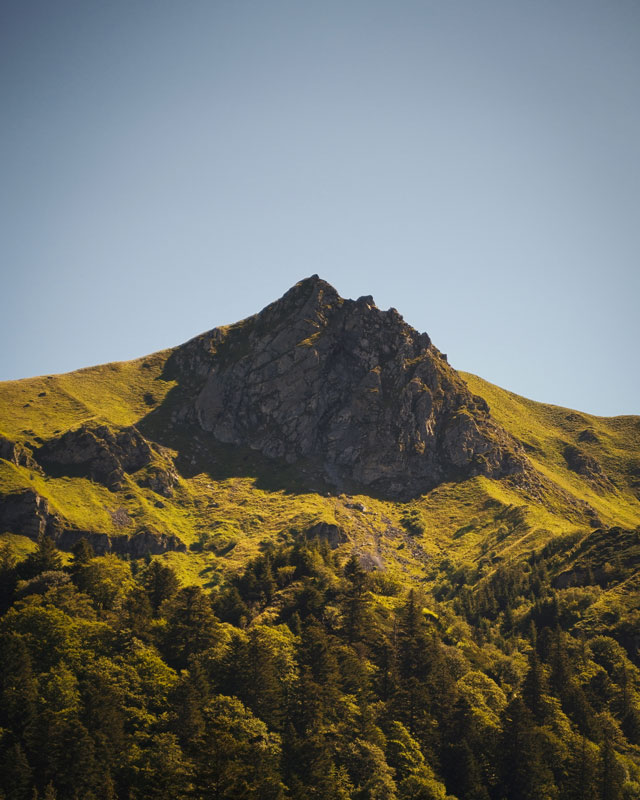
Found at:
[351, 393]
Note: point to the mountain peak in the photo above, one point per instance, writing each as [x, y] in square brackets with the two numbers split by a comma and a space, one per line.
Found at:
[308, 295]
[313, 282]
[352, 394]
[313, 286]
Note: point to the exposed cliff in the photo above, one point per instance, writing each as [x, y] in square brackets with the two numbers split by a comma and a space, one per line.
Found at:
[30, 514]
[352, 392]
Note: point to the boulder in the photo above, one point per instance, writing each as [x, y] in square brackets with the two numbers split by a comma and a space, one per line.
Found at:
[585, 465]
[588, 435]
[160, 480]
[148, 542]
[332, 534]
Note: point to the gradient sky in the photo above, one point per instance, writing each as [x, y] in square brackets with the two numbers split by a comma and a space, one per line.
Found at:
[167, 167]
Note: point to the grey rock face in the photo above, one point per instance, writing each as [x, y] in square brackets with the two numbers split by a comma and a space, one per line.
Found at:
[332, 534]
[588, 435]
[585, 465]
[361, 398]
[28, 513]
[17, 454]
[100, 542]
[97, 452]
[161, 481]
[135, 546]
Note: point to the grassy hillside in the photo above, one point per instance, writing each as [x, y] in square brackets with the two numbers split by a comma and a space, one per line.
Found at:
[119, 393]
[546, 430]
[227, 505]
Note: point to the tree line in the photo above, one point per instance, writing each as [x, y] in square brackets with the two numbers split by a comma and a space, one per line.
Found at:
[304, 676]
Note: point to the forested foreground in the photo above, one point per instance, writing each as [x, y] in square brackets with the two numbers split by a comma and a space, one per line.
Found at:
[304, 677]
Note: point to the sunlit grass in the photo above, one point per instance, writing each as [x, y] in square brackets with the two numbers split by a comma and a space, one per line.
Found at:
[226, 520]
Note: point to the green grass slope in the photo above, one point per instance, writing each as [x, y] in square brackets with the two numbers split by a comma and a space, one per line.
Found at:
[546, 430]
[119, 393]
[225, 516]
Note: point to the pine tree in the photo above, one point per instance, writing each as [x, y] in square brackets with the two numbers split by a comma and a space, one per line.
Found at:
[295, 624]
[336, 784]
[136, 614]
[582, 772]
[45, 558]
[466, 779]
[316, 655]
[70, 755]
[264, 692]
[385, 680]
[16, 775]
[460, 765]
[355, 600]
[192, 626]
[534, 688]
[412, 698]
[610, 772]
[103, 716]
[267, 581]
[18, 687]
[8, 575]
[580, 711]
[82, 554]
[230, 607]
[162, 771]
[369, 770]
[560, 664]
[631, 725]
[238, 757]
[412, 640]
[189, 697]
[160, 582]
[524, 776]
[440, 683]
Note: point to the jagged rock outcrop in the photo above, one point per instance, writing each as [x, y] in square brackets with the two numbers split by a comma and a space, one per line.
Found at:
[137, 545]
[16, 453]
[585, 465]
[29, 514]
[588, 435]
[160, 480]
[96, 452]
[633, 476]
[350, 392]
[334, 535]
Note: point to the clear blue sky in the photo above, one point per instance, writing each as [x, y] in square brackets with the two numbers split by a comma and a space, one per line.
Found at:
[167, 167]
